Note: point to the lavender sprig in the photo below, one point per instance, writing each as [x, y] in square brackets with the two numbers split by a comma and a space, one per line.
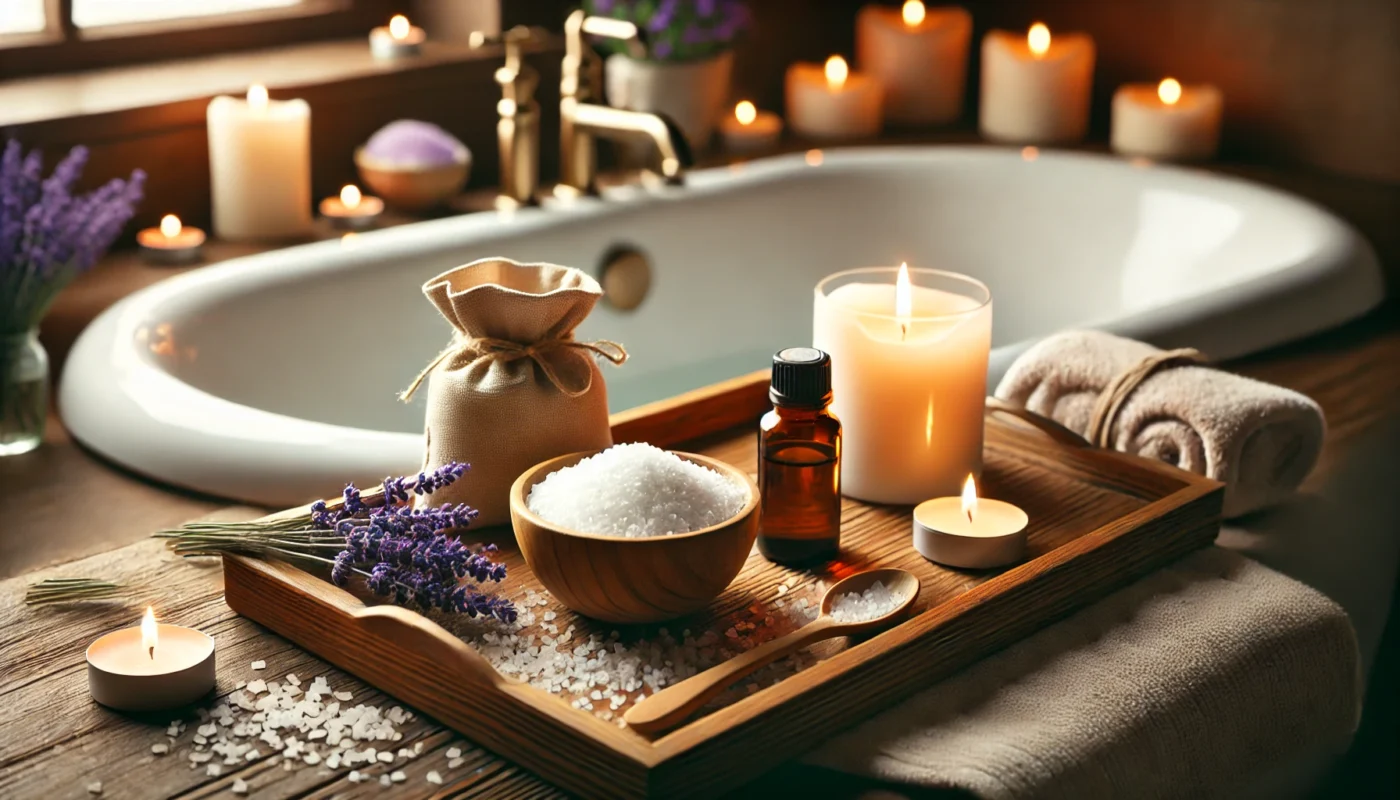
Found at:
[677, 30]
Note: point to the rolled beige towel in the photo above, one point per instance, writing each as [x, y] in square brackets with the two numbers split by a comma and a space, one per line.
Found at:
[1260, 440]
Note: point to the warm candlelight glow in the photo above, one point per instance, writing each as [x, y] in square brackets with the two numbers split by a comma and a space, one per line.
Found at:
[398, 27]
[1038, 39]
[745, 112]
[257, 96]
[149, 632]
[350, 196]
[170, 226]
[969, 498]
[836, 72]
[1169, 91]
[913, 13]
[903, 299]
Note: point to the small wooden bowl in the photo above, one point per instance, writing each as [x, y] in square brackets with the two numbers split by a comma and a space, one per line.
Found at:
[617, 579]
[413, 188]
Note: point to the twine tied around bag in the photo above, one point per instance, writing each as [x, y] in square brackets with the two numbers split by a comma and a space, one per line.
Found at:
[1115, 395]
[507, 351]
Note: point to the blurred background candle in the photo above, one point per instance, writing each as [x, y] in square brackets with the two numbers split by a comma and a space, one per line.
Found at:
[397, 39]
[828, 101]
[171, 243]
[1166, 120]
[749, 130]
[352, 210]
[260, 166]
[909, 351]
[919, 56]
[1035, 88]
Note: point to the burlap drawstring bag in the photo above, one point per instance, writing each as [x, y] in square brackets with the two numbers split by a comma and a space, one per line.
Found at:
[513, 388]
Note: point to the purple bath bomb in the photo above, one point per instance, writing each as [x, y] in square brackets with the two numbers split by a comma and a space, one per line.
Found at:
[409, 143]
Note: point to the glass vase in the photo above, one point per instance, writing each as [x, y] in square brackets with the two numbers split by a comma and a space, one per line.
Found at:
[24, 392]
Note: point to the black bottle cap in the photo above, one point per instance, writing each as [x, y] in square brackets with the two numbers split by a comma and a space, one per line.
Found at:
[801, 377]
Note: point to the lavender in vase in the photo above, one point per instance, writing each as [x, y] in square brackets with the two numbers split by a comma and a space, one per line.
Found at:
[677, 30]
[48, 236]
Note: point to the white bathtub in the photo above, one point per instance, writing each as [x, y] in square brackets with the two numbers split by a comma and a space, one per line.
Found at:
[273, 378]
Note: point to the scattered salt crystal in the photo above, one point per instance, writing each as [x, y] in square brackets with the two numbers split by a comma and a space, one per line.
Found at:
[240, 786]
[259, 664]
[213, 770]
[160, 749]
[354, 776]
[293, 679]
[454, 763]
[874, 602]
[434, 777]
[343, 697]
[258, 686]
[398, 776]
[386, 757]
[637, 490]
[454, 752]
[311, 759]
[417, 748]
[383, 780]
[95, 787]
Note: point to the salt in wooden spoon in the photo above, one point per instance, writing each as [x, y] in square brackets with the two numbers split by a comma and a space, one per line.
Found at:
[672, 705]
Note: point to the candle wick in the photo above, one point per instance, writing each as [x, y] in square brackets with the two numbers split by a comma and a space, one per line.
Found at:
[969, 516]
[153, 652]
[903, 332]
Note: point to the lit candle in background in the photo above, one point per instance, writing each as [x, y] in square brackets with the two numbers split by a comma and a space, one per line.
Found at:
[749, 130]
[1035, 87]
[397, 39]
[171, 243]
[352, 209]
[909, 351]
[919, 57]
[1167, 120]
[152, 666]
[970, 532]
[828, 101]
[260, 166]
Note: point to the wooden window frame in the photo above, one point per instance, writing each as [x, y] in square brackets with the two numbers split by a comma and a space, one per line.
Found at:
[62, 47]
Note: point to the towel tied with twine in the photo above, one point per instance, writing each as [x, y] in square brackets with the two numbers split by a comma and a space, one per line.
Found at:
[464, 351]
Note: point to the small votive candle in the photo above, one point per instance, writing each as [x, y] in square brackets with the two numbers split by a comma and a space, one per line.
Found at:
[1166, 121]
[397, 39]
[1035, 88]
[151, 667]
[749, 130]
[171, 243]
[831, 102]
[352, 210]
[919, 57]
[970, 532]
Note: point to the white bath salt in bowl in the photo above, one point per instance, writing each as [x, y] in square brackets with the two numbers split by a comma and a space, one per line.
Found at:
[636, 491]
[875, 602]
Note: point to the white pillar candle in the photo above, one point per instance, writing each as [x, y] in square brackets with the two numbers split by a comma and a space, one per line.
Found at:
[1166, 121]
[1035, 88]
[831, 102]
[909, 352]
[154, 666]
[749, 130]
[919, 57]
[260, 166]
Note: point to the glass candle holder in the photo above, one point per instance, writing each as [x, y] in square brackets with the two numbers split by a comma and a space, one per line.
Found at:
[24, 392]
[909, 351]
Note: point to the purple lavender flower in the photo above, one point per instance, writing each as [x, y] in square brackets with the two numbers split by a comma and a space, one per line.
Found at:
[706, 8]
[663, 16]
[661, 49]
[396, 490]
[340, 571]
[694, 34]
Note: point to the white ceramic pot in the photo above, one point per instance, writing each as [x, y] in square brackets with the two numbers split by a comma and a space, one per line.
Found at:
[691, 93]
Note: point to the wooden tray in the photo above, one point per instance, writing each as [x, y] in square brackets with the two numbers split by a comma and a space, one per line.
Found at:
[1098, 520]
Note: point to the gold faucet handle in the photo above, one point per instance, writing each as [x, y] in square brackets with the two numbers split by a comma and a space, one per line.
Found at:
[514, 40]
[518, 81]
[609, 28]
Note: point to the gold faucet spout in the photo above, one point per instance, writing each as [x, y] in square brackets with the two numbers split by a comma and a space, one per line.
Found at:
[605, 122]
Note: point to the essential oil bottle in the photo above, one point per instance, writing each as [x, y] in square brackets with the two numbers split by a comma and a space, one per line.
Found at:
[799, 462]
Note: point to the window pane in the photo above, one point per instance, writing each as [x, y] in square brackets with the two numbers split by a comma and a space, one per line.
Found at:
[92, 13]
[21, 16]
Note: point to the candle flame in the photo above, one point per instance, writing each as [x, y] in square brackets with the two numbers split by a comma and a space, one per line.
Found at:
[350, 196]
[913, 13]
[257, 96]
[399, 27]
[1038, 39]
[170, 226]
[149, 632]
[836, 72]
[969, 498]
[903, 300]
[745, 112]
[1169, 91]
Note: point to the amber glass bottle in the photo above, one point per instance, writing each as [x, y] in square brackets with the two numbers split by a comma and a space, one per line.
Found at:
[799, 469]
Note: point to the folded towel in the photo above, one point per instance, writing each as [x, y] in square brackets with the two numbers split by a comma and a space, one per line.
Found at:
[1260, 440]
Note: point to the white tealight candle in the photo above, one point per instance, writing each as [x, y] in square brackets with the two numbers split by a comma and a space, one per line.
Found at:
[352, 210]
[1166, 121]
[909, 351]
[828, 101]
[919, 56]
[397, 39]
[152, 667]
[171, 243]
[750, 130]
[260, 166]
[1035, 88]
[970, 532]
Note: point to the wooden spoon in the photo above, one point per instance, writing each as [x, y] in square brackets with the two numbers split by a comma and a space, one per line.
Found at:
[672, 705]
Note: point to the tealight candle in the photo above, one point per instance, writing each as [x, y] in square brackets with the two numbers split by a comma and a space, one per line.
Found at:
[171, 243]
[919, 56]
[151, 667]
[397, 39]
[260, 166]
[351, 209]
[831, 102]
[1166, 121]
[1035, 88]
[909, 352]
[970, 532]
[750, 130]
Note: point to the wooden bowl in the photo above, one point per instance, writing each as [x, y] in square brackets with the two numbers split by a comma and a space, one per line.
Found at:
[618, 579]
[413, 188]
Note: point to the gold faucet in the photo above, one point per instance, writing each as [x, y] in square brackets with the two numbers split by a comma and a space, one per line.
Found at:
[580, 121]
[518, 131]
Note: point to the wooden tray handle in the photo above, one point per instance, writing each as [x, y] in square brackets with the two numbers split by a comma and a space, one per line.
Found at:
[1045, 425]
[413, 632]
